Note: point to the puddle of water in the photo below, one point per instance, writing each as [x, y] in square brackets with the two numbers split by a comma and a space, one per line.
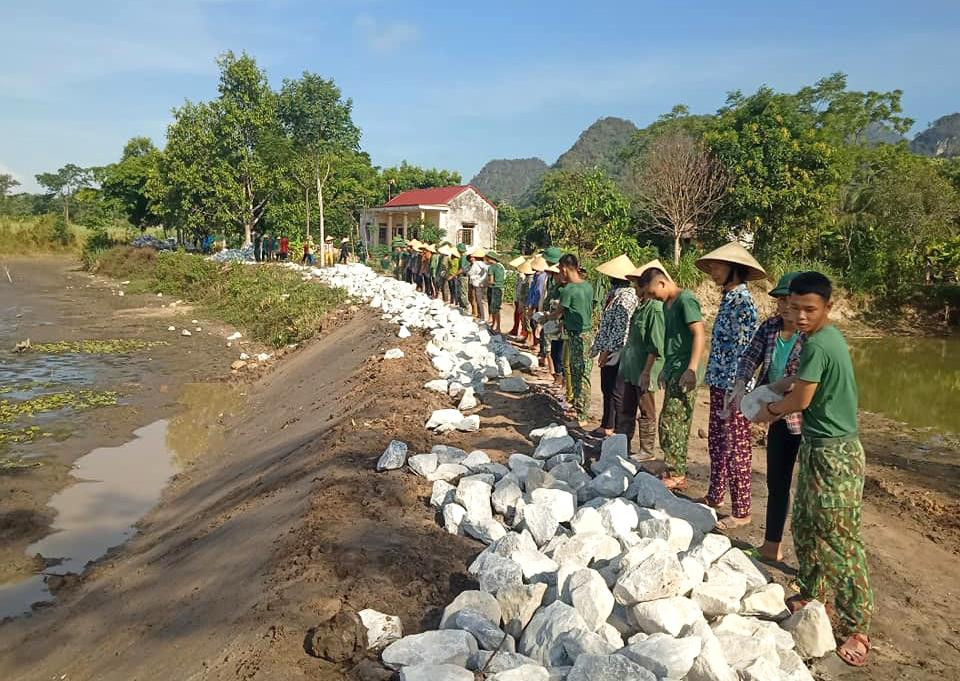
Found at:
[197, 426]
[116, 486]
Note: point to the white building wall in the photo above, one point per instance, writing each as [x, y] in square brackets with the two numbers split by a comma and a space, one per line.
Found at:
[469, 208]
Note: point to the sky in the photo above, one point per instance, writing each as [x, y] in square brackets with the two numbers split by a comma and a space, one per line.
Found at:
[449, 85]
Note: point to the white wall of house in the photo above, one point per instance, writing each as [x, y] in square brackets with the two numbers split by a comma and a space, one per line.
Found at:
[470, 211]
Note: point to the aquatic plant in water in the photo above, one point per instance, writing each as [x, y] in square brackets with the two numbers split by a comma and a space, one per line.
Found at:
[95, 347]
[10, 410]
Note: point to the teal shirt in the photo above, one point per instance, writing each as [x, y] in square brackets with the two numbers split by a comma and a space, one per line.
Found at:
[497, 274]
[781, 354]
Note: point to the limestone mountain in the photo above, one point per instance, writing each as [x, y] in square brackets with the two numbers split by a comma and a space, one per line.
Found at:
[941, 139]
[514, 180]
[602, 144]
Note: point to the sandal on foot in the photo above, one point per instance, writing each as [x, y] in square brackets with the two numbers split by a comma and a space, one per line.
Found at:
[730, 523]
[674, 483]
[854, 650]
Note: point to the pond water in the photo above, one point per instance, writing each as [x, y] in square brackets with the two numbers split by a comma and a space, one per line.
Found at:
[914, 380]
[115, 487]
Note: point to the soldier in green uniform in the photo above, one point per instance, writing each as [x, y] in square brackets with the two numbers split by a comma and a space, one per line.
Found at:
[827, 507]
[496, 276]
[640, 364]
[683, 342]
[576, 311]
[463, 281]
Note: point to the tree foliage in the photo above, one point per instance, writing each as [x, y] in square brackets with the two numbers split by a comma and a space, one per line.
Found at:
[63, 183]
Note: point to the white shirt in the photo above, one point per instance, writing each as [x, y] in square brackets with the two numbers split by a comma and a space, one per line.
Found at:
[478, 273]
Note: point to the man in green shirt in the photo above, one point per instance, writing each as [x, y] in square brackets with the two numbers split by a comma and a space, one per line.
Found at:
[827, 508]
[463, 281]
[496, 276]
[576, 311]
[684, 337]
[644, 339]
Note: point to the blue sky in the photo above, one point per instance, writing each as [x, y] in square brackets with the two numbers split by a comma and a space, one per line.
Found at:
[449, 84]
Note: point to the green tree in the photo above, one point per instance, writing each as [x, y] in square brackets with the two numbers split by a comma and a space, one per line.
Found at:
[64, 183]
[7, 184]
[125, 182]
[320, 131]
[404, 177]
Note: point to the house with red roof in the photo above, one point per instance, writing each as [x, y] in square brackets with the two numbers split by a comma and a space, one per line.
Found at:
[463, 214]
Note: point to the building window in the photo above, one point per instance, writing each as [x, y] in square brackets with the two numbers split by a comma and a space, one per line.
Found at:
[465, 235]
[382, 234]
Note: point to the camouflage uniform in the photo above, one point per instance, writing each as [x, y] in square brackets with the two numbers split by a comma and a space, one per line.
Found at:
[676, 416]
[826, 528]
[576, 370]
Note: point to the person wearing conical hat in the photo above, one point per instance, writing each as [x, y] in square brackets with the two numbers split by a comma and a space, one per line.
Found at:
[496, 278]
[344, 250]
[536, 293]
[729, 443]
[618, 308]
[774, 353]
[425, 276]
[640, 366]
[413, 264]
[463, 279]
[437, 271]
[524, 279]
[478, 283]
[683, 343]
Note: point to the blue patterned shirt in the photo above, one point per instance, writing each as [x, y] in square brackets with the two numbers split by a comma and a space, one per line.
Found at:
[732, 332]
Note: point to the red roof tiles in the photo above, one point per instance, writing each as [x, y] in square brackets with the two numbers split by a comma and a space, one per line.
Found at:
[435, 196]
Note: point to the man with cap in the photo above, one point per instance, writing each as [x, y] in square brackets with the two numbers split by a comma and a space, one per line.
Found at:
[496, 277]
[463, 279]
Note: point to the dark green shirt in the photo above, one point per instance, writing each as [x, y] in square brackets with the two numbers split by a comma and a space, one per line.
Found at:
[825, 360]
[464, 265]
[577, 303]
[497, 274]
[677, 337]
[645, 337]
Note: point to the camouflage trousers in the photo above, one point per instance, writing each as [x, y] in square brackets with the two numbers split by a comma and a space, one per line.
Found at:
[676, 416]
[463, 293]
[576, 370]
[826, 529]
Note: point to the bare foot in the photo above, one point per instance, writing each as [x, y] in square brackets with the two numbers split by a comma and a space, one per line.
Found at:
[732, 523]
[771, 550]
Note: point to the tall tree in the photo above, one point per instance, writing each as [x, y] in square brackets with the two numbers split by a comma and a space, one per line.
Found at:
[7, 184]
[321, 132]
[125, 182]
[64, 183]
[680, 184]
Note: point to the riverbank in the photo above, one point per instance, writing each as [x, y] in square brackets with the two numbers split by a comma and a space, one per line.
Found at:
[284, 518]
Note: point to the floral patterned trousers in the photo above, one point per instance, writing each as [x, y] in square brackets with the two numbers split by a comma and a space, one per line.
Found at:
[731, 456]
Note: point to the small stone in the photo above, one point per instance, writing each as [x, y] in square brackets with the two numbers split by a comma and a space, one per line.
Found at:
[450, 646]
[518, 603]
[811, 630]
[448, 454]
[478, 601]
[442, 494]
[541, 640]
[184, 332]
[561, 504]
[664, 615]
[382, 629]
[767, 602]
[540, 521]
[470, 424]
[393, 457]
[435, 672]
[587, 591]
[474, 495]
[453, 517]
[607, 668]
[423, 464]
[338, 639]
[394, 353]
[475, 460]
[404, 332]
[171, 328]
[658, 576]
[719, 598]
[442, 417]
[449, 472]
[587, 520]
[437, 385]
[489, 636]
[667, 657]
[238, 364]
[553, 430]
[468, 400]
[503, 367]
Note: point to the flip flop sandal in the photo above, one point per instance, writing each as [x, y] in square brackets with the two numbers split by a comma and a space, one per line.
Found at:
[645, 456]
[852, 655]
[725, 525]
[674, 483]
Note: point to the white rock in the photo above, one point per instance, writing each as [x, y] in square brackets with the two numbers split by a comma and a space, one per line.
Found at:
[792, 667]
[760, 670]
[610, 633]
[475, 460]
[423, 464]
[618, 517]
[745, 640]
[562, 504]
[658, 576]
[468, 400]
[404, 332]
[665, 615]
[453, 516]
[478, 601]
[497, 470]
[450, 646]
[501, 661]
[681, 534]
[393, 353]
[184, 332]
[693, 573]
[498, 572]
[522, 461]
[527, 672]
[811, 630]
[579, 642]
[506, 493]
[719, 598]
[442, 494]
[455, 388]
[711, 664]
[442, 417]
[244, 356]
[437, 385]
[541, 640]
[518, 603]
[766, 602]
[736, 561]
[171, 328]
[587, 591]
[236, 335]
[587, 520]
[489, 636]
[513, 384]
[503, 367]
[435, 672]
[581, 550]
[449, 472]
[710, 548]
[448, 454]
[551, 446]
[536, 566]
[487, 530]
[553, 430]
[382, 629]
[540, 521]
[608, 668]
[665, 656]
[470, 424]
[393, 457]
[473, 494]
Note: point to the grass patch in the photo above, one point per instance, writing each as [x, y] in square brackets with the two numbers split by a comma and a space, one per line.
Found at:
[95, 347]
[270, 303]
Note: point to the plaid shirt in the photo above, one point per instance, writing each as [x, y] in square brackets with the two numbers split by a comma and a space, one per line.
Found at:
[759, 355]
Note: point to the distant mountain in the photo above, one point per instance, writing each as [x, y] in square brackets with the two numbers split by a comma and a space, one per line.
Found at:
[600, 145]
[514, 180]
[941, 139]
[878, 133]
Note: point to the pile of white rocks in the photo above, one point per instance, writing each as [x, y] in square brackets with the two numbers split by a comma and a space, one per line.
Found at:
[465, 355]
[598, 574]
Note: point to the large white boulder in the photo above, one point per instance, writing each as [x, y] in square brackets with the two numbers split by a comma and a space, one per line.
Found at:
[442, 494]
[444, 417]
[540, 521]
[473, 493]
[667, 657]
[478, 601]
[518, 603]
[587, 591]
[658, 576]
[423, 464]
[541, 641]
[435, 672]
[562, 504]
[453, 517]
[664, 615]
[766, 602]
[449, 646]
[811, 630]
[608, 668]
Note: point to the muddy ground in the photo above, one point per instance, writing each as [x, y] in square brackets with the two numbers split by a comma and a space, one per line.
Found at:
[271, 529]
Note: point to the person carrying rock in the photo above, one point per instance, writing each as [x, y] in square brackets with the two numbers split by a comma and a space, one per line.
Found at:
[496, 277]
[683, 342]
[728, 440]
[828, 506]
[618, 308]
[640, 366]
[775, 352]
[478, 283]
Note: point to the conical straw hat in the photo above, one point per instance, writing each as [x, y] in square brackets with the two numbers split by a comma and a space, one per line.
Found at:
[446, 249]
[653, 264]
[524, 267]
[478, 252]
[736, 254]
[428, 247]
[516, 262]
[538, 264]
[618, 268]
[413, 243]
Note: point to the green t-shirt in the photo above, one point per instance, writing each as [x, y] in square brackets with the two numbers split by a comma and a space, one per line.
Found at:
[497, 274]
[677, 337]
[577, 303]
[464, 265]
[645, 337]
[781, 353]
[825, 360]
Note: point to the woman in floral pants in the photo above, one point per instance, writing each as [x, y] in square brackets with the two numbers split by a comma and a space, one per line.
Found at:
[728, 438]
